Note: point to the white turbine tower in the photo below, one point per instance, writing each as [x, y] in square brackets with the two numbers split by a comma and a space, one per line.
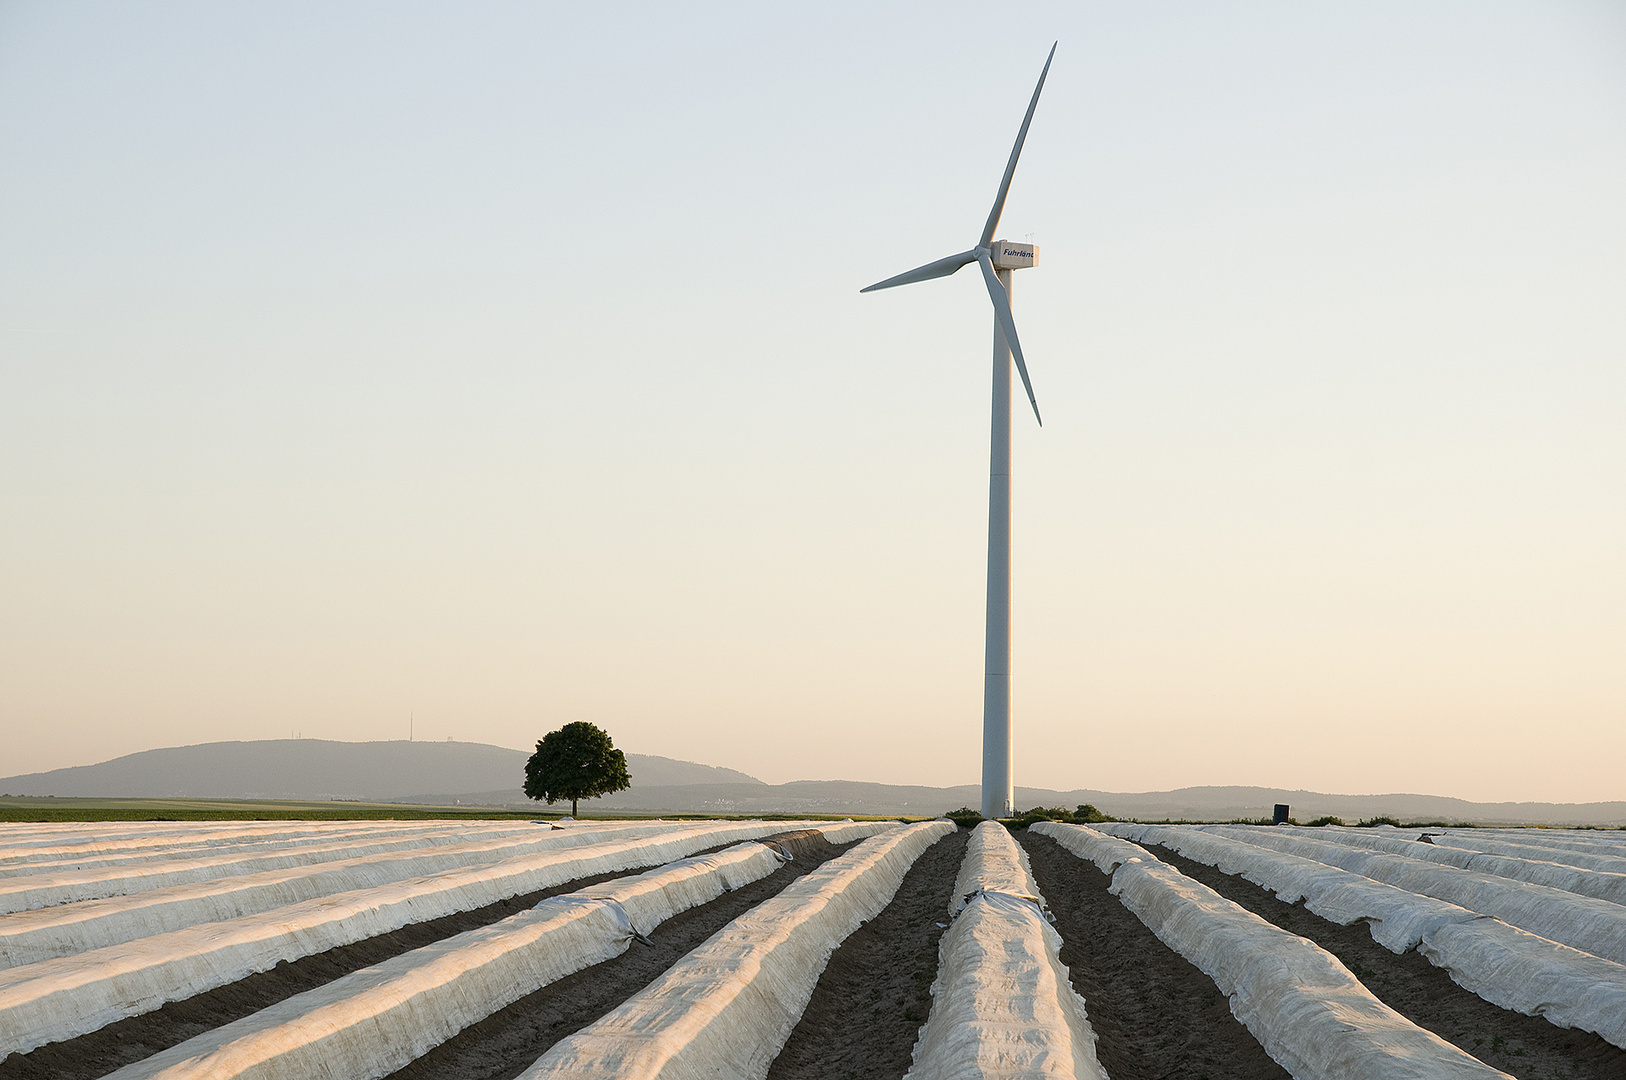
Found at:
[997, 259]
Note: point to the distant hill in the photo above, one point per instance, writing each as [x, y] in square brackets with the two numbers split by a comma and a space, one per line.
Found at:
[443, 773]
[320, 769]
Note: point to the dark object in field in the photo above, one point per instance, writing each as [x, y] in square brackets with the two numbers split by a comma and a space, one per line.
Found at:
[1281, 814]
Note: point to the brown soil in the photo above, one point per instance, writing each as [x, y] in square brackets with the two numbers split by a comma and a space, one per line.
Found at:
[100, 1052]
[1154, 1014]
[866, 1011]
[1528, 1047]
[509, 1041]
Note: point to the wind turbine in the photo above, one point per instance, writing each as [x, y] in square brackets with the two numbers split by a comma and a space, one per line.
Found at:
[997, 258]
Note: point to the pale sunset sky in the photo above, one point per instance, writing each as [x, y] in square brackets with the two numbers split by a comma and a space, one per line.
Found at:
[501, 365]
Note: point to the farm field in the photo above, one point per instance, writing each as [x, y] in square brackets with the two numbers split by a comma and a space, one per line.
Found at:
[38, 808]
[26, 808]
[798, 949]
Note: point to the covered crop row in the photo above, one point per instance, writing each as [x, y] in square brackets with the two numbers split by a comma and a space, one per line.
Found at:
[28, 937]
[1601, 884]
[1504, 965]
[1002, 1004]
[1581, 922]
[72, 883]
[376, 1020]
[727, 1008]
[1603, 839]
[20, 846]
[67, 996]
[1589, 857]
[1308, 1011]
[430, 833]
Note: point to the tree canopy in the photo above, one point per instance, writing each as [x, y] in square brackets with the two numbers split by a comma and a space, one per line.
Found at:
[576, 762]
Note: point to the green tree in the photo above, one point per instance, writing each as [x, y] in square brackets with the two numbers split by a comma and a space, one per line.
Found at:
[576, 762]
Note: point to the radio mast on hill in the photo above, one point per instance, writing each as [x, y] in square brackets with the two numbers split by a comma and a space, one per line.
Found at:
[998, 258]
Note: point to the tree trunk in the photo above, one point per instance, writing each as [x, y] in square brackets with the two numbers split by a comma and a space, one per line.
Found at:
[572, 807]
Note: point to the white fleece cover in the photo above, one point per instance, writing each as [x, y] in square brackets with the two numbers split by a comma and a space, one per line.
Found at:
[1506, 966]
[1581, 922]
[68, 996]
[993, 863]
[238, 843]
[226, 837]
[844, 832]
[1610, 841]
[1106, 852]
[1592, 859]
[370, 1023]
[1310, 1014]
[726, 1009]
[242, 845]
[1603, 885]
[20, 837]
[110, 838]
[1003, 1005]
[28, 937]
[47, 887]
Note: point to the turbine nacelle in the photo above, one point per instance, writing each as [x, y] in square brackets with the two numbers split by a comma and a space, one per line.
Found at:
[1009, 255]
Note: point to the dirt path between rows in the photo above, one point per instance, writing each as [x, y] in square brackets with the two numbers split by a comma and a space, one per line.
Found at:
[1155, 1015]
[1528, 1047]
[866, 1011]
[509, 1041]
[118, 1044]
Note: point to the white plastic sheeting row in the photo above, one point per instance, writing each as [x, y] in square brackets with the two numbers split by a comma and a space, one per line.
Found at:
[22, 838]
[1591, 857]
[28, 937]
[1310, 1014]
[993, 863]
[134, 839]
[103, 848]
[374, 1021]
[71, 995]
[240, 845]
[1581, 922]
[1003, 1005]
[1506, 966]
[1613, 840]
[1602, 885]
[726, 1009]
[49, 886]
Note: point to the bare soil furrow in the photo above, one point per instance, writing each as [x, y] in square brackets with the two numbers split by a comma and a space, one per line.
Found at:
[874, 995]
[1528, 1047]
[509, 1041]
[1155, 1015]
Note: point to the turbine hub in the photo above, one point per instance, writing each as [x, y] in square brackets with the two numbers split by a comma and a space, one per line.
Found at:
[1009, 255]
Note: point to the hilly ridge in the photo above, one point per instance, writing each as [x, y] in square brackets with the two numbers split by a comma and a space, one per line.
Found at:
[480, 774]
[390, 771]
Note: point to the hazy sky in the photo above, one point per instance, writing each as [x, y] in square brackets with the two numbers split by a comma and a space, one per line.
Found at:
[505, 365]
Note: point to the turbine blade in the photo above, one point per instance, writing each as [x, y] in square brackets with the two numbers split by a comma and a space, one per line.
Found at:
[1007, 324]
[1016, 152]
[940, 268]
